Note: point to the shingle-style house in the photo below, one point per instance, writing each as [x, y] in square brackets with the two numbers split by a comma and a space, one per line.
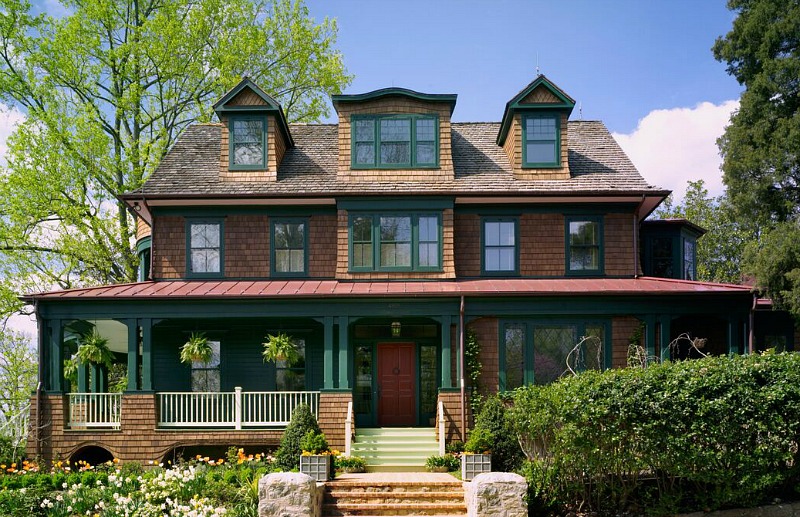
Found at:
[378, 244]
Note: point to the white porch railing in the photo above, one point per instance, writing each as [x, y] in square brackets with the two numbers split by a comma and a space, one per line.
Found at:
[232, 410]
[94, 410]
[441, 435]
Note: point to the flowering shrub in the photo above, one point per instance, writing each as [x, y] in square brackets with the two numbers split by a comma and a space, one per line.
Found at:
[201, 487]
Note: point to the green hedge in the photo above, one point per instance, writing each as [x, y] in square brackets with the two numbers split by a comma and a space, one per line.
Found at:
[703, 434]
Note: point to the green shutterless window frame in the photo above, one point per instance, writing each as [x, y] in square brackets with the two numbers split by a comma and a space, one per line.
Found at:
[548, 115]
[568, 246]
[220, 223]
[232, 119]
[376, 142]
[273, 248]
[500, 272]
[375, 242]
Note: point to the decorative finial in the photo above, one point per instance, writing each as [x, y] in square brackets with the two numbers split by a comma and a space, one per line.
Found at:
[537, 64]
[580, 110]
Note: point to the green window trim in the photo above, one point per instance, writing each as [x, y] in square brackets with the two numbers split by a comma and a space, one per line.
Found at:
[541, 116]
[569, 247]
[415, 141]
[528, 327]
[221, 246]
[143, 252]
[485, 271]
[232, 120]
[371, 247]
[691, 258]
[273, 248]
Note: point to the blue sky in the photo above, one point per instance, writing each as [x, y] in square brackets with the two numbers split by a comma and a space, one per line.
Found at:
[643, 67]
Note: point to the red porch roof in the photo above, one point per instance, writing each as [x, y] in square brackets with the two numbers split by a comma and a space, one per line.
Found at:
[254, 289]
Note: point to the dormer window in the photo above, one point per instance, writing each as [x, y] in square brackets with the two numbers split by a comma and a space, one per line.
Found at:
[248, 142]
[395, 141]
[540, 136]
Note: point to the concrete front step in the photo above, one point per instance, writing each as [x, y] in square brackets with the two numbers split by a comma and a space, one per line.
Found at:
[379, 498]
[387, 449]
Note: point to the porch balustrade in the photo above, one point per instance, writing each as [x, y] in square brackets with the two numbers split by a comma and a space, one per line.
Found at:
[94, 410]
[232, 410]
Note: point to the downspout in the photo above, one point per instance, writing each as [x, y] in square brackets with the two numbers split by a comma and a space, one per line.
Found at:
[636, 238]
[461, 371]
[752, 334]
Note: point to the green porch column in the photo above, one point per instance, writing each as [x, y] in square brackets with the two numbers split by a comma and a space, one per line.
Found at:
[133, 354]
[665, 337]
[99, 378]
[650, 335]
[147, 354]
[327, 353]
[83, 378]
[56, 356]
[344, 355]
[447, 380]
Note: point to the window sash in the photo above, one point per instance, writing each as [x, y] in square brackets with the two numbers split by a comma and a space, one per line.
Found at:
[205, 248]
[248, 134]
[289, 247]
[395, 141]
[584, 246]
[292, 377]
[499, 246]
[541, 143]
[392, 242]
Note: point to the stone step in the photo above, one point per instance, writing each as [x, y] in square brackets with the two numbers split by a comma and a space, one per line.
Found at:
[427, 509]
[346, 496]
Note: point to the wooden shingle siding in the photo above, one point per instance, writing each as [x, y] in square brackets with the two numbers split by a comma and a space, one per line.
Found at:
[540, 95]
[622, 327]
[395, 106]
[343, 258]
[541, 245]
[246, 246]
[322, 252]
[142, 228]
[487, 332]
[169, 248]
[246, 97]
[332, 415]
[467, 244]
[620, 259]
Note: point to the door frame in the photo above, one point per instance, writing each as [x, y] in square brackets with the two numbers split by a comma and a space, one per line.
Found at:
[396, 347]
[371, 419]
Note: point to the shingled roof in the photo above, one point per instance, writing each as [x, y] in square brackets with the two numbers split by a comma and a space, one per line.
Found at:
[597, 165]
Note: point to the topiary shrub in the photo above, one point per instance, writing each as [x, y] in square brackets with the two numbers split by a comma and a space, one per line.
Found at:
[288, 454]
[506, 452]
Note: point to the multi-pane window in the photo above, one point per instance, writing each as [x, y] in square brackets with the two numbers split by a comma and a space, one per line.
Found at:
[289, 245]
[205, 248]
[292, 376]
[540, 140]
[248, 143]
[395, 141]
[661, 251]
[584, 245]
[395, 242]
[205, 376]
[541, 352]
[499, 245]
[688, 259]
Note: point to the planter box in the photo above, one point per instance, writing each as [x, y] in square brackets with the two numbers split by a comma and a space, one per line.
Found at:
[474, 464]
[318, 467]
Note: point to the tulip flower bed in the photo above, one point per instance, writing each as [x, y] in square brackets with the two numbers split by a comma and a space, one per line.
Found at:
[200, 487]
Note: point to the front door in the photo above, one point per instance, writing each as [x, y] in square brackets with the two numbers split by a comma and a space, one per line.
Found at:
[396, 384]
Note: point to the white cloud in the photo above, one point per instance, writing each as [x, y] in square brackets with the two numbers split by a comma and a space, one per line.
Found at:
[9, 118]
[673, 146]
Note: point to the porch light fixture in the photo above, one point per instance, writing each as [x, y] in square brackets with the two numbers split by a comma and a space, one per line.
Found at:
[395, 329]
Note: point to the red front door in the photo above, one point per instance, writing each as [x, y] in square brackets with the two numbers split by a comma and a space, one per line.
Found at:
[396, 384]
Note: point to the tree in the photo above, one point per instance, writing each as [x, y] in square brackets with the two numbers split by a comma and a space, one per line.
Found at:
[720, 250]
[761, 162]
[106, 90]
[18, 370]
[759, 148]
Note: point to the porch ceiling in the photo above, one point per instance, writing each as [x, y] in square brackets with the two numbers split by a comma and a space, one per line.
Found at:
[296, 289]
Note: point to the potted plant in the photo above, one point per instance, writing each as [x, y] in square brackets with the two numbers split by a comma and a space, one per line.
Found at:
[444, 463]
[280, 348]
[316, 457]
[94, 349]
[197, 349]
[477, 457]
[350, 464]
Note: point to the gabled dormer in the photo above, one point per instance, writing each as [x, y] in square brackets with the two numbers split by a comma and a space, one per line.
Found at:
[255, 134]
[533, 132]
[394, 134]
